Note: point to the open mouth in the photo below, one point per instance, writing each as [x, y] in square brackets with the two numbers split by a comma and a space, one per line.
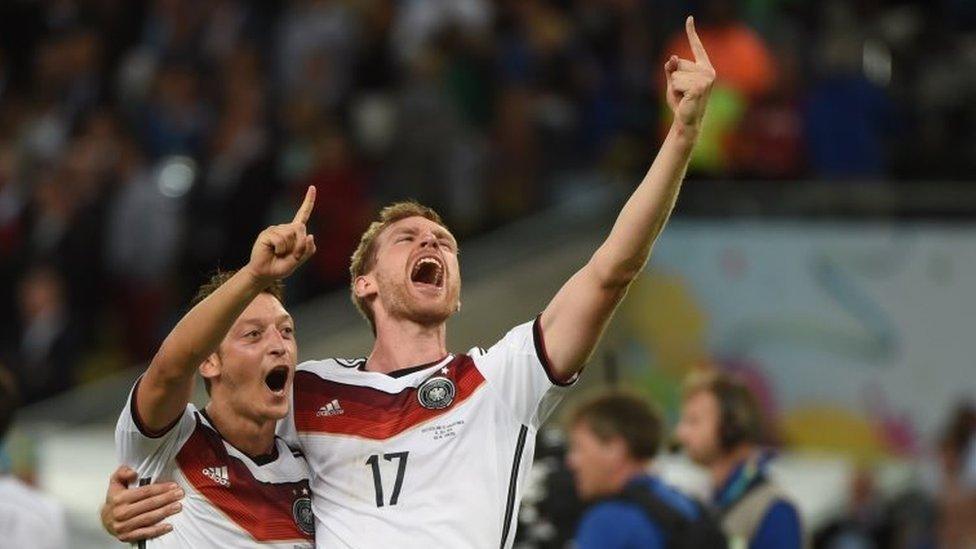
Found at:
[276, 378]
[428, 270]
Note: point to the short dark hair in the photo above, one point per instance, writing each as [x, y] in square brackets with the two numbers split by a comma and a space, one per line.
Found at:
[217, 279]
[9, 400]
[625, 415]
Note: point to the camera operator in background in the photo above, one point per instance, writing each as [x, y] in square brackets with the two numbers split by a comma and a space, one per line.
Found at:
[721, 430]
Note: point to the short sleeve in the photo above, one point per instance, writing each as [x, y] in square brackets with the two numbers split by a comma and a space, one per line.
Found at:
[518, 368]
[147, 452]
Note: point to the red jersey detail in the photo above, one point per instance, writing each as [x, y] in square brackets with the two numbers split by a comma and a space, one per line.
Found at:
[371, 413]
[264, 510]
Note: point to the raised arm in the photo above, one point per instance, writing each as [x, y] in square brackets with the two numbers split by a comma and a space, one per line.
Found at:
[574, 320]
[168, 383]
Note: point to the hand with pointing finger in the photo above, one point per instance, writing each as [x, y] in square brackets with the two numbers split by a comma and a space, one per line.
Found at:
[280, 249]
[689, 82]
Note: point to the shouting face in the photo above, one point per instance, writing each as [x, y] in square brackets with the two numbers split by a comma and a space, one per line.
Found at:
[416, 276]
[254, 365]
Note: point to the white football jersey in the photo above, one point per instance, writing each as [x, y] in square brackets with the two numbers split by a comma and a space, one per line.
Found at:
[432, 456]
[231, 499]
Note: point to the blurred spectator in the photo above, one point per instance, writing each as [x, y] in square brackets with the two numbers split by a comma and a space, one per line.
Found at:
[861, 525]
[49, 340]
[612, 440]
[176, 118]
[27, 517]
[143, 233]
[720, 429]
[957, 497]
[13, 226]
[848, 117]
[870, 521]
[318, 41]
[342, 213]
[769, 143]
[516, 162]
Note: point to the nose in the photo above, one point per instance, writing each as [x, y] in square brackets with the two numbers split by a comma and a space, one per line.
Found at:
[428, 240]
[277, 345]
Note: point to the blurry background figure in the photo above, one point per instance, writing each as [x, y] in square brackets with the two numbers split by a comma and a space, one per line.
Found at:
[957, 496]
[721, 430]
[612, 440]
[873, 522]
[27, 517]
[47, 352]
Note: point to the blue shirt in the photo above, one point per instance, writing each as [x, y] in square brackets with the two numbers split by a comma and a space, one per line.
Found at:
[780, 526]
[623, 525]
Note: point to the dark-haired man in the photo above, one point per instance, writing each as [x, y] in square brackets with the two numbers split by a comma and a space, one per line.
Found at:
[613, 439]
[244, 487]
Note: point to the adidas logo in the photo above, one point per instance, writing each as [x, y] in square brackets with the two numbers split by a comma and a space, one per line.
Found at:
[218, 475]
[330, 409]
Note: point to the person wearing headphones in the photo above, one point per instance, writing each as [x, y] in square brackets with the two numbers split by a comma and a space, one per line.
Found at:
[721, 430]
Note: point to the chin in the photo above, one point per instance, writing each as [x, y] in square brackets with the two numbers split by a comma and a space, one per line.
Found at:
[432, 316]
[585, 494]
[427, 312]
[274, 412]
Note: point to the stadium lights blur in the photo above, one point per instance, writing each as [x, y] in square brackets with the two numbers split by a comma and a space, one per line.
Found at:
[176, 176]
[876, 60]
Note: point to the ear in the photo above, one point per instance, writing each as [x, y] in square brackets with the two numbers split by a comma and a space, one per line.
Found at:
[210, 367]
[617, 448]
[365, 286]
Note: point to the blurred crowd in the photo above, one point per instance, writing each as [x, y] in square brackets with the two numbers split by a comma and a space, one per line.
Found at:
[143, 144]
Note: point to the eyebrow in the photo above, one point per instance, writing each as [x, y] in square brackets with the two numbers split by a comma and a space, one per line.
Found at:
[285, 317]
[438, 232]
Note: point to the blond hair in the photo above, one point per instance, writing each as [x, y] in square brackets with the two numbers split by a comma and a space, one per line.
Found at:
[364, 258]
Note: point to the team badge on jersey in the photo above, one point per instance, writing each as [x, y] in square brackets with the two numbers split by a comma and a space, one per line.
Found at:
[436, 393]
[302, 509]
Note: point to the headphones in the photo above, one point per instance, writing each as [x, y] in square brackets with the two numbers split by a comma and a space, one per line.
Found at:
[739, 420]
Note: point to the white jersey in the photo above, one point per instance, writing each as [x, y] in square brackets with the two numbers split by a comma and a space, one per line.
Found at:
[433, 456]
[29, 518]
[232, 500]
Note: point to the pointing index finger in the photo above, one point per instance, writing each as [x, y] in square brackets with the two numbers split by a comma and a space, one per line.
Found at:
[305, 211]
[701, 56]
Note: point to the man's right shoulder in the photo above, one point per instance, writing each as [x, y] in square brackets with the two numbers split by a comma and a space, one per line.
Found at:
[618, 523]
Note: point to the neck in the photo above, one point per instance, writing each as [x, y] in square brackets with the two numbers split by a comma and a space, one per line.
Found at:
[722, 468]
[626, 473]
[253, 437]
[403, 344]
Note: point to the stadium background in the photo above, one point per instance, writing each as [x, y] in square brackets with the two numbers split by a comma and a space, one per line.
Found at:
[823, 246]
